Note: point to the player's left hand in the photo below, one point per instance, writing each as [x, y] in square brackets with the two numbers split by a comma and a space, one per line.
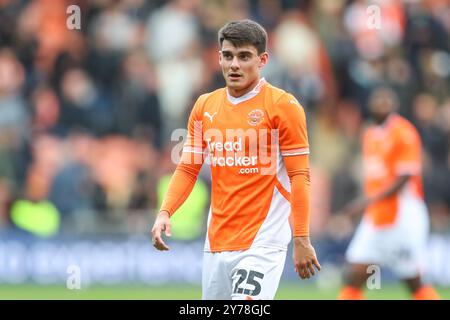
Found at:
[305, 258]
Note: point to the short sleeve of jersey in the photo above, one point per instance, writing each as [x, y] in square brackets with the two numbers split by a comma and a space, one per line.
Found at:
[290, 120]
[407, 157]
[194, 140]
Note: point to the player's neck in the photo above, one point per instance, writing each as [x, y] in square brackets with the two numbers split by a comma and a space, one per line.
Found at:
[382, 121]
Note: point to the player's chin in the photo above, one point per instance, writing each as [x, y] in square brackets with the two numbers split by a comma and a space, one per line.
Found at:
[236, 83]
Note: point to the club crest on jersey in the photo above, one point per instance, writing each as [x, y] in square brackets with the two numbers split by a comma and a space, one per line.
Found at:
[255, 117]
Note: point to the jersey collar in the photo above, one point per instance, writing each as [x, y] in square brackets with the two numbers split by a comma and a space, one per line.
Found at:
[248, 95]
[380, 128]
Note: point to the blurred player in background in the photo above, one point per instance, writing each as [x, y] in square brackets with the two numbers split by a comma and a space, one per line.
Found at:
[395, 226]
[249, 220]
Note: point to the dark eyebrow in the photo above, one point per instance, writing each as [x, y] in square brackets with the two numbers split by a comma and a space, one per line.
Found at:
[240, 52]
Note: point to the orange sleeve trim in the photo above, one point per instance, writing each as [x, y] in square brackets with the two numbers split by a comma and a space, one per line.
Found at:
[295, 152]
[411, 168]
[197, 150]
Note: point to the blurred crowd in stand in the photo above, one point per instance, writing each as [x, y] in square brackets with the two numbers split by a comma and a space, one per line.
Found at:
[87, 116]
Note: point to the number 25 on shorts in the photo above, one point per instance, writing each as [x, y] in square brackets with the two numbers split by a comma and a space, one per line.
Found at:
[251, 277]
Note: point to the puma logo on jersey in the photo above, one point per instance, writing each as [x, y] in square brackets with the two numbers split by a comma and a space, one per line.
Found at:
[210, 116]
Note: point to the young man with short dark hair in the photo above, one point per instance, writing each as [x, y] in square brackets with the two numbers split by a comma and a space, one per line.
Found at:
[255, 137]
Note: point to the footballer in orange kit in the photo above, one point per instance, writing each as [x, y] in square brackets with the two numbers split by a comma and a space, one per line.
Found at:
[394, 229]
[254, 136]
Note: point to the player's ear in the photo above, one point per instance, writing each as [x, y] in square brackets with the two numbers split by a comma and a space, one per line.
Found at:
[263, 59]
[220, 57]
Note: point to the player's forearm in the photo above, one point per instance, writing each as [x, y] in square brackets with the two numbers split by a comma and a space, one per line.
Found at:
[395, 187]
[180, 186]
[298, 171]
[300, 203]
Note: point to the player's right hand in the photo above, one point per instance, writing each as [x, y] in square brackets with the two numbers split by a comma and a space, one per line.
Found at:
[162, 223]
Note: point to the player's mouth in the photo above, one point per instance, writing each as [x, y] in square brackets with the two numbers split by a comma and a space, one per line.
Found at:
[234, 76]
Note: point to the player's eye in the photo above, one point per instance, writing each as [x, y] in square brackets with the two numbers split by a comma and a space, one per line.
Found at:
[227, 55]
[244, 57]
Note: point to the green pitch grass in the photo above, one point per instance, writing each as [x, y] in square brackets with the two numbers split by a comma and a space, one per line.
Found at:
[181, 292]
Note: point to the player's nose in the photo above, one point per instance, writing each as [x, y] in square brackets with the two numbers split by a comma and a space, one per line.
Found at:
[235, 63]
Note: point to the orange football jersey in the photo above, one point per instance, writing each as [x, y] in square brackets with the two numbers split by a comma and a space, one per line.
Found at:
[391, 150]
[245, 140]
